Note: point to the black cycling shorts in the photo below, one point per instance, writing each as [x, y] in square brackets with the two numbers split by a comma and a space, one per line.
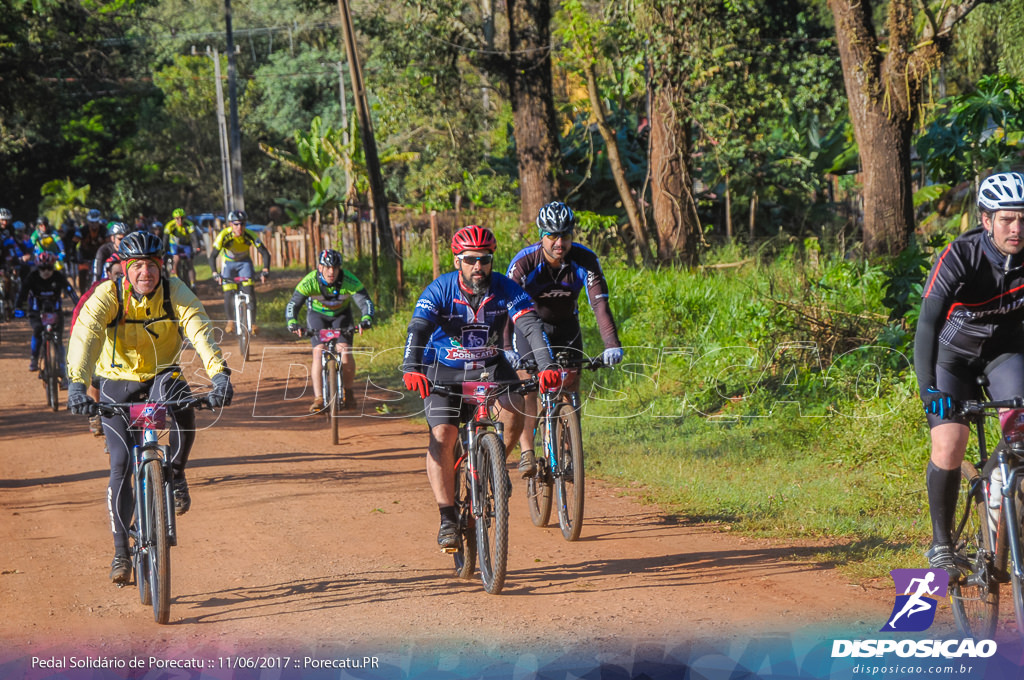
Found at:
[450, 410]
[958, 375]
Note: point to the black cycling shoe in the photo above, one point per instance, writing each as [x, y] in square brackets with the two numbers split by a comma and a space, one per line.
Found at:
[121, 569]
[182, 499]
[527, 464]
[448, 534]
[941, 556]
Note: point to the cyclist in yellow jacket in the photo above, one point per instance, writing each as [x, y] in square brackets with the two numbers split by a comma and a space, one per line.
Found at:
[234, 241]
[129, 332]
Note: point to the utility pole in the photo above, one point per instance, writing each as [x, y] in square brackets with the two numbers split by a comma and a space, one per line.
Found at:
[237, 192]
[378, 202]
[222, 128]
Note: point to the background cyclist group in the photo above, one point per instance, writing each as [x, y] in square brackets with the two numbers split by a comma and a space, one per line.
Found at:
[467, 323]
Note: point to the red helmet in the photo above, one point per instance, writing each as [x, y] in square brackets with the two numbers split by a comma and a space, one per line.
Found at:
[46, 259]
[473, 238]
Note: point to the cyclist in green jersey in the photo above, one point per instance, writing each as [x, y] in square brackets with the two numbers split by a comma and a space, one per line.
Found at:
[330, 293]
[181, 241]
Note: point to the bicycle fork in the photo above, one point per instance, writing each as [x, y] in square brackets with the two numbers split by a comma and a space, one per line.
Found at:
[1009, 523]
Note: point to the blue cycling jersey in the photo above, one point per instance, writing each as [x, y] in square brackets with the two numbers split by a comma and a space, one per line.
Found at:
[463, 337]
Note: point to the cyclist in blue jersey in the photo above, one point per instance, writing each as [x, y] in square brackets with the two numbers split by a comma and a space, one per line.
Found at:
[970, 325]
[455, 335]
[554, 271]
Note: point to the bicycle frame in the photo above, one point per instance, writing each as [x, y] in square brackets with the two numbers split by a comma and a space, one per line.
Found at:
[243, 320]
[149, 419]
[1010, 460]
[329, 353]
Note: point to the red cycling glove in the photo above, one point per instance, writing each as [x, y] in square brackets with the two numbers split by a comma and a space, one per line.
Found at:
[549, 379]
[417, 382]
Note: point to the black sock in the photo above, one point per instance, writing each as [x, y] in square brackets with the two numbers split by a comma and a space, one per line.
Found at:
[448, 513]
[943, 489]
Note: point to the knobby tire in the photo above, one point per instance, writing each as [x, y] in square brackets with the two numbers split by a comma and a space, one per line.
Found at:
[157, 543]
[975, 596]
[539, 487]
[492, 525]
[332, 397]
[465, 556]
[570, 480]
[242, 329]
[1016, 583]
[51, 374]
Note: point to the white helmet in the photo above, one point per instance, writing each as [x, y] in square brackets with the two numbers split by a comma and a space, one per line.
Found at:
[1002, 191]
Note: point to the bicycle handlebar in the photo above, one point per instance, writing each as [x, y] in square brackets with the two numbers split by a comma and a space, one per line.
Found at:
[114, 408]
[455, 389]
[530, 365]
[975, 407]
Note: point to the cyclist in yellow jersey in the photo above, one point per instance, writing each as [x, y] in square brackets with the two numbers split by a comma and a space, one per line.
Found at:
[181, 239]
[130, 332]
[234, 241]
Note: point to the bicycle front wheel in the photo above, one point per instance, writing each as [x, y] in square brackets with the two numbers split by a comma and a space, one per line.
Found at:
[332, 395]
[975, 596]
[52, 377]
[465, 555]
[156, 545]
[539, 487]
[492, 523]
[1018, 583]
[242, 329]
[570, 480]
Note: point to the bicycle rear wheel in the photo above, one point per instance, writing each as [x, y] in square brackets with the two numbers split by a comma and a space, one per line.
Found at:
[332, 395]
[492, 524]
[465, 555]
[975, 596]
[51, 374]
[570, 480]
[539, 487]
[156, 544]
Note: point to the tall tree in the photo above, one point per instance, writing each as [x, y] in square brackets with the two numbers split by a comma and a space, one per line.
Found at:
[885, 69]
[533, 107]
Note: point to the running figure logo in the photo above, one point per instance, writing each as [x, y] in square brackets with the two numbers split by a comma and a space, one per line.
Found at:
[914, 610]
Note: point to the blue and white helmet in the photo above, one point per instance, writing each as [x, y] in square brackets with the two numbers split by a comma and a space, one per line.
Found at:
[556, 218]
[1002, 191]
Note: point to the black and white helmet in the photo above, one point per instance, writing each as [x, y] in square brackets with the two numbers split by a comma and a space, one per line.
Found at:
[329, 258]
[5, 214]
[237, 216]
[1002, 191]
[556, 218]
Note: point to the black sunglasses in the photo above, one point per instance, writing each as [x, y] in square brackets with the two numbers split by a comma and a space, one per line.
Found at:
[46, 267]
[473, 259]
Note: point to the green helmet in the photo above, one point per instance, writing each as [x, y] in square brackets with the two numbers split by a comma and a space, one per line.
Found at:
[178, 212]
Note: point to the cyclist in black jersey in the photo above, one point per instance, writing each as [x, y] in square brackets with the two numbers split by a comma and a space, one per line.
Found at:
[970, 325]
[554, 271]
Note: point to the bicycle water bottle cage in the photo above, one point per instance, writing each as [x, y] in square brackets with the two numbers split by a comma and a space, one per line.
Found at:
[148, 416]
[328, 334]
[1012, 423]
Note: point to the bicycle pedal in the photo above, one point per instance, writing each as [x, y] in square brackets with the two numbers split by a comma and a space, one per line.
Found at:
[450, 551]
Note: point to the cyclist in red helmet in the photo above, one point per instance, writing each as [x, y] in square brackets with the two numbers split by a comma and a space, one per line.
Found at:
[455, 335]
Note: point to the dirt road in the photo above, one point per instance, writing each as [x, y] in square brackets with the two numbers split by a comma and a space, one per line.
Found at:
[295, 544]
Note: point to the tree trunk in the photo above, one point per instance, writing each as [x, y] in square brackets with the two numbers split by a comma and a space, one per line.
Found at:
[615, 163]
[675, 214]
[533, 105]
[884, 88]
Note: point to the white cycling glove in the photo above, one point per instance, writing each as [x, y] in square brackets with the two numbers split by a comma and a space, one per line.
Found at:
[612, 356]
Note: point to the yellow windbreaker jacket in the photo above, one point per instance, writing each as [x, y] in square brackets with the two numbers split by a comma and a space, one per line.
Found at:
[144, 341]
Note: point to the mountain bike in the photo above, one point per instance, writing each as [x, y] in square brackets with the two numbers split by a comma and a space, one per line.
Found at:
[51, 363]
[331, 379]
[988, 535]
[482, 485]
[153, 530]
[560, 470]
[184, 269]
